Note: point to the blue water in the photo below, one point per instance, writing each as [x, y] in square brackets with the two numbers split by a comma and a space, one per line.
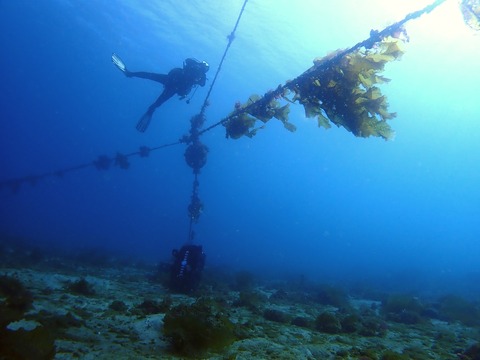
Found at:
[318, 202]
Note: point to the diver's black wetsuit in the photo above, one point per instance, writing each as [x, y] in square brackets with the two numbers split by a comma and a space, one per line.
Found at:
[177, 81]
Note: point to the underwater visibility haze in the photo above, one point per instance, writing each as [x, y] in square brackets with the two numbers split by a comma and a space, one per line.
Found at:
[336, 216]
[318, 202]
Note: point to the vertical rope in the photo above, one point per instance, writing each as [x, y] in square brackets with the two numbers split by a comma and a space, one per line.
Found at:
[230, 38]
[191, 233]
[195, 207]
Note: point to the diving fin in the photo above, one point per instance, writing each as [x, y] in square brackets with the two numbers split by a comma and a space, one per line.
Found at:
[118, 63]
[144, 121]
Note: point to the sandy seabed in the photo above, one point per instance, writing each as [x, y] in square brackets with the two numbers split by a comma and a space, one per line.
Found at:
[89, 327]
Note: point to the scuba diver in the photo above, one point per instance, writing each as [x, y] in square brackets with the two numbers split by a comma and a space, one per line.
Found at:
[178, 81]
[186, 270]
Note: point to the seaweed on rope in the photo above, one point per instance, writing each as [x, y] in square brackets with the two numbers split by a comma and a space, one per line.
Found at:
[344, 93]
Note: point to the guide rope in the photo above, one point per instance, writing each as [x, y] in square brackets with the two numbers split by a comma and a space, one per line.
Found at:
[196, 152]
[103, 162]
[230, 39]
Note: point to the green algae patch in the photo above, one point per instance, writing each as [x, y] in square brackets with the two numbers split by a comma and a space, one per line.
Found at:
[197, 328]
[17, 299]
[328, 323]
[38, 343]
[81, 287]
[455, 308]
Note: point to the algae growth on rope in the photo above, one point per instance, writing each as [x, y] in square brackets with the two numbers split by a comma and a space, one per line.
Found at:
[471, 13]
[344, 93]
